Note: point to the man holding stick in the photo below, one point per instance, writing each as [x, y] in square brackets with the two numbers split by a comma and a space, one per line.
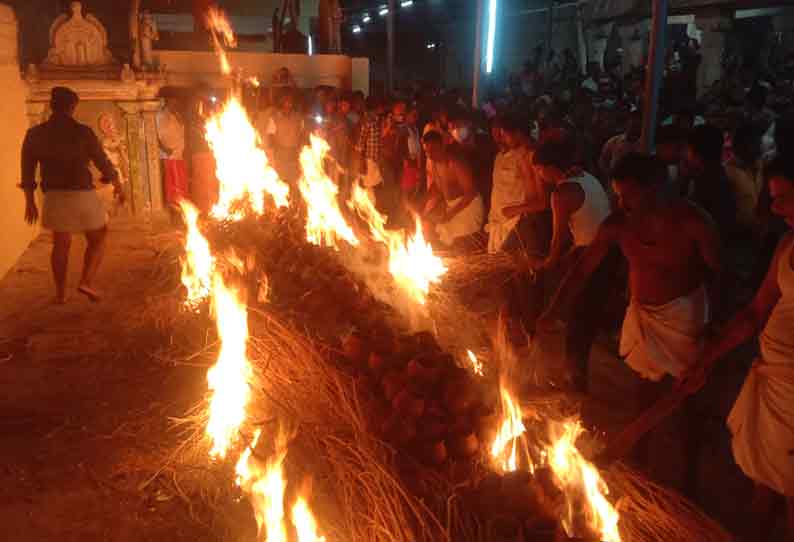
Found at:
[762, 419]
[672, 251]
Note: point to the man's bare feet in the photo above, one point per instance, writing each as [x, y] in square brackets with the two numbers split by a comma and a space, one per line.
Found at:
[90, 293]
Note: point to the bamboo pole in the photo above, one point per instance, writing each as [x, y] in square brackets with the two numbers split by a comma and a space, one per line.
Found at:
[390, 46]
[654, 74]
[475, 94]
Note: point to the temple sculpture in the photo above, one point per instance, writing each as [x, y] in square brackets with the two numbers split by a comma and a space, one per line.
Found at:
[77, 40]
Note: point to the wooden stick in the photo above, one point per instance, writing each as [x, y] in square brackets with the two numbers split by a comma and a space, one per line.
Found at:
[622, 444]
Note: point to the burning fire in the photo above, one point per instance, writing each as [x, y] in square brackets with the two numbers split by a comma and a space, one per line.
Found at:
[577, 477]
[476, 365]
[304, 522]
[198, 263]
[222, 35]
[324, 223]
[411, 262]
[228, 378]
[504, 447]
[243, 171]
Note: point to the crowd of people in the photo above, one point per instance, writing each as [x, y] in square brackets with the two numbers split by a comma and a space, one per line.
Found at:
[686, 235]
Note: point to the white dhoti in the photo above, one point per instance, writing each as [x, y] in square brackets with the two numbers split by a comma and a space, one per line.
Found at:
[467, 222]
[73, 211]
[762, 419]
[664, 339]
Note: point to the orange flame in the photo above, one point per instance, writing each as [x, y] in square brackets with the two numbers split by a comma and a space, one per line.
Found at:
[411, 262]
[324, 223]
[304, 522]
[576, 476]
[228, 378]
[476, 365]
[266, 488]
[222, 35]
[505, 446]
[243, 171]
[198, 263]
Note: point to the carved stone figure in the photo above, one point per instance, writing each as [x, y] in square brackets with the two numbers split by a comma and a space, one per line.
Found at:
[77, 40]
[113, 144]
[148, 36]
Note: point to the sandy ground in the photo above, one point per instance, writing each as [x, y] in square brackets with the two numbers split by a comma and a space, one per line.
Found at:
[85, 402]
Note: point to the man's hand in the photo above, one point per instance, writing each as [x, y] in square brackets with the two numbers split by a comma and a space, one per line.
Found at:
[31, 211]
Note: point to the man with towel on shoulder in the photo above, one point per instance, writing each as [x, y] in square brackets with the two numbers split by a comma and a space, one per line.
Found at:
[63, 148]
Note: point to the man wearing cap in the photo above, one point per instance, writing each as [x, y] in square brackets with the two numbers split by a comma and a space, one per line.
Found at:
[63, 148]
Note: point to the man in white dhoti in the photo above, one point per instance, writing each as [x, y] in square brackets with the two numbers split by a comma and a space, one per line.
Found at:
[461, 212]
[672, 251]
[762, 419]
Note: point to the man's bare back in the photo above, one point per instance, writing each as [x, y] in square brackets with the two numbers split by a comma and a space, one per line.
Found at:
[448, 175]
[670, 251]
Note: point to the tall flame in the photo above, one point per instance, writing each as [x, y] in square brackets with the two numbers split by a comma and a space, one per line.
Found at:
[411, 261]
[304, 522]
[198, 263]
[222, 35]
[243, 171]
[577, 477]
[325, 222]
[228, 378]
[505, 446]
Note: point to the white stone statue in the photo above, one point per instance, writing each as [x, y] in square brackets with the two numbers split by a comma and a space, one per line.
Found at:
[77, 40]
[148, 35]
[171, 131]
[114, 145]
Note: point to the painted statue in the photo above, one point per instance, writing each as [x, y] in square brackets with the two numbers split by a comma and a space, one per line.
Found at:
[114, 145]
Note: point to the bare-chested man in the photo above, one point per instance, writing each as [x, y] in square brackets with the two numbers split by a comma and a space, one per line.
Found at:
[462, 211]
[672, 250]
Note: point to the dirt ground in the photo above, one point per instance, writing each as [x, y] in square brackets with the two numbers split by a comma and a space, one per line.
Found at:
[85, 403]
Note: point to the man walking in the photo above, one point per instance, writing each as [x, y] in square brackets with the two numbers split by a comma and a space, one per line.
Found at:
[63, 148]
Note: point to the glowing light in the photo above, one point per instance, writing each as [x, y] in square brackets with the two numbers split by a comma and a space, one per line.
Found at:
[304, 522]
[383, 11]
[576, 478]
[366, 19]
[318, 119]
[431, 45]
[325, 223]
[311, 45]
[505, 445]
[198, 263]
[407, 3]
[411, 260]
[244, 173]
[356, 29]
[476, 365]
[228, 378]
[489, 46]
[222, 36]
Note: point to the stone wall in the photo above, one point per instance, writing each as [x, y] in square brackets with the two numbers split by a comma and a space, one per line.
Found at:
[16, 234]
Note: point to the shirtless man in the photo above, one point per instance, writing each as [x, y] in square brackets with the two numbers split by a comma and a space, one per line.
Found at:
[672, 250]
[462, 212]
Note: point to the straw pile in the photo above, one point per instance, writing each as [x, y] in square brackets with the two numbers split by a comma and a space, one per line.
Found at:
[364, 488]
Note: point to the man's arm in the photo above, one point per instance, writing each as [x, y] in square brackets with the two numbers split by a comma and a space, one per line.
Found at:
[565, 201]
[101, 160]
[705, 235]
[605, 160]
[576, 279]
[466, 180]
[537, 199]
[743, 326]
[28, 183]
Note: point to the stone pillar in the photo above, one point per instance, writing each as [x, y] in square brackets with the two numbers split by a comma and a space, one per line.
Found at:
[714, 25]
[136, 144]
[152, 165]
[599, 37]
